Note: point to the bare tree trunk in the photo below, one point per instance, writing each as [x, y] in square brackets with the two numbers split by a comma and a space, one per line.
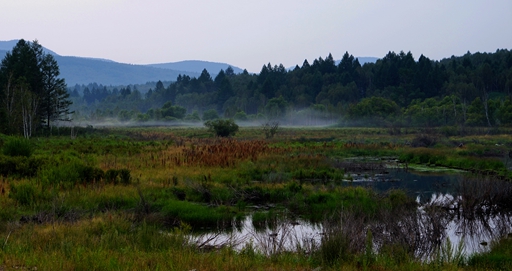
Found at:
[464, 111]
[454, 108]
[10, 104]
[29, 104]
[486, 107]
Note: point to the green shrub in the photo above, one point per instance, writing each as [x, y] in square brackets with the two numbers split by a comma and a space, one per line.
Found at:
[222, 127]
[115, 176]
[70, 174]
[88, 174]
[111, 176]
[18, 147]
[20, 166]
[23, 193]
[125, 177]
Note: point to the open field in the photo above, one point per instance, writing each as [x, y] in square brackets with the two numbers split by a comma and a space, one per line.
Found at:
[129, 198]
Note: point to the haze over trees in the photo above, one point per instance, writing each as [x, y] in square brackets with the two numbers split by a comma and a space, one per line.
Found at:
[471, 90]
[31, 93]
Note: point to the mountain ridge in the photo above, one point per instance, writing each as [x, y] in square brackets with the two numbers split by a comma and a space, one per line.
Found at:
[85, 70]
[195, 65]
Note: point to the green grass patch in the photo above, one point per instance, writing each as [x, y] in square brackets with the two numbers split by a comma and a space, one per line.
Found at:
[197, 215]
[499, 258]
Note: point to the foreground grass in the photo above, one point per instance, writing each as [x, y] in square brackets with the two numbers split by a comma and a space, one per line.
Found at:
[112, 242]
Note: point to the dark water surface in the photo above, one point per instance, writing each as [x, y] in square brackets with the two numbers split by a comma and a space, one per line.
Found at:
[419, 185]
[475, 232]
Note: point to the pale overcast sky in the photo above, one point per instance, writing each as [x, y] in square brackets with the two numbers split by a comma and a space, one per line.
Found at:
[249, 34]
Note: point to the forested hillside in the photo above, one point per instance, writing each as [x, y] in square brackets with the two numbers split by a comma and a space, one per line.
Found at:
[472, 90]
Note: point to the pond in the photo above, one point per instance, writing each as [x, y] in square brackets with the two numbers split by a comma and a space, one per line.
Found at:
[420, 185]
[472, 211]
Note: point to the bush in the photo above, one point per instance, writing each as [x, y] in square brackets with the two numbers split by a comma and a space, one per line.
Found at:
[18, 147]
[66, 175]
[88, 174]
[115, 176]
[222, 128]
[23, 193]
[124, 174]
[20, 166]
[270, 129]
[111, 176]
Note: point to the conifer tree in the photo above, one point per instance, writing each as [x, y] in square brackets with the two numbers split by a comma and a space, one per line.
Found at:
[47, 98]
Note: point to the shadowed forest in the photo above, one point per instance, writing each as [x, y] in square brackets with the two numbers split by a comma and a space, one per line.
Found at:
[397, 90]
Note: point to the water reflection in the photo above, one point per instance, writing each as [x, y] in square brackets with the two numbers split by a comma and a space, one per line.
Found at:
[280, 235]
[418, 185]
[473, 210]
[478, 214]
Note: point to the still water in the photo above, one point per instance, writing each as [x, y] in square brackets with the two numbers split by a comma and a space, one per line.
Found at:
[474, 227]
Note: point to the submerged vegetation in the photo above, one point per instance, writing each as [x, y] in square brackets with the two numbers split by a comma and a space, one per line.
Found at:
[137, 198]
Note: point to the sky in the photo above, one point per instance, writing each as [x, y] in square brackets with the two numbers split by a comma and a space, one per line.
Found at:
[250, 34]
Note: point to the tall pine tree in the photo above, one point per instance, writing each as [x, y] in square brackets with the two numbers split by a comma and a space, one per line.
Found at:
[39, 73]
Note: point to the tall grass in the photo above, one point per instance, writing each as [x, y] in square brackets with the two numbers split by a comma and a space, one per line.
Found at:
[498, 258]
[18, 146]
[448, 256]
[177, 212]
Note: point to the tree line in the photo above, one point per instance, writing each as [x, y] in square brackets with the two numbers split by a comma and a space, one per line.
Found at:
[32, 96]
[473, 89]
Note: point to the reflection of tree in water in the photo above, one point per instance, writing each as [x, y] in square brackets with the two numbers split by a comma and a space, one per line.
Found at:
[479, 212]
[418, 232]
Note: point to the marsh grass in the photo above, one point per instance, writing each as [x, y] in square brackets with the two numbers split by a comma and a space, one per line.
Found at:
[18, 146]
[25, 193]
[199, 216]
[498, 258]
[120, 199]
[448, 256]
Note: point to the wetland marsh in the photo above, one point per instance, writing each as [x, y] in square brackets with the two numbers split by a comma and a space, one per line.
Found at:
[176, 198]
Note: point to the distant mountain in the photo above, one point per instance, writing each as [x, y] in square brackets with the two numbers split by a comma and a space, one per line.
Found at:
[367, 59]
[7, 46]
[196, 66]
[84, 70]
[79, 70]
[362, 60]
